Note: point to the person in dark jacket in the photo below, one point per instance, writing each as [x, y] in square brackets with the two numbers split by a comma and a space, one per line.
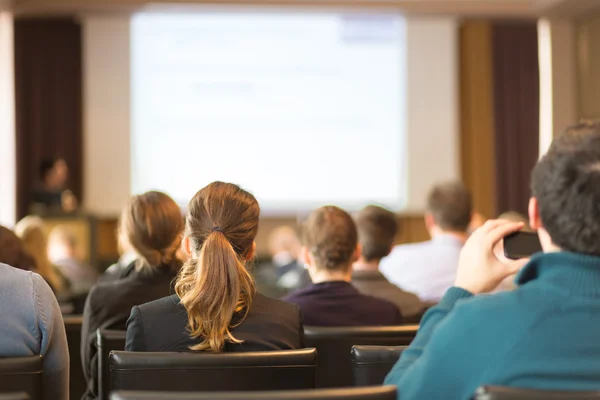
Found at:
[216, 307]
[330, 248]
[377, 230]
[152, 224]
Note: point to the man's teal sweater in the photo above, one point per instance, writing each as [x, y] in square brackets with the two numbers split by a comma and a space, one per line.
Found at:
[544, 335]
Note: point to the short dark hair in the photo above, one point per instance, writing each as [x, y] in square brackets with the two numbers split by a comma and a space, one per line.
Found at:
[377, 230]
[46, 165]
[566, 184]
[451, 205]
[12, 251]
[331, 237]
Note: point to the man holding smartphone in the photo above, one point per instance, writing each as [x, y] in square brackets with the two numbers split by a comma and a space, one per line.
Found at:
[544, 335]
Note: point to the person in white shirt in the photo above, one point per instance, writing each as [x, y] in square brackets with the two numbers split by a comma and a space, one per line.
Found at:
[428, 269]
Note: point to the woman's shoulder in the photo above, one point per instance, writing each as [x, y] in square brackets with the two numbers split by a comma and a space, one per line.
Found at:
[163, 306]
[265, 304]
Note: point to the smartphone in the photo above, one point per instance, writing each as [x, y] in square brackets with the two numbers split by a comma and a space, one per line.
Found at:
[521, 245]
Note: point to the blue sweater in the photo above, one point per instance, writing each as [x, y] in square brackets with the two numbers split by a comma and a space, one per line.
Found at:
[31, 324]
[544, 335]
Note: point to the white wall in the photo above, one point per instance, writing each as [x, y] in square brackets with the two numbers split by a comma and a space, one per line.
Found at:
[7, 123]
[106, 112]
[432, 109]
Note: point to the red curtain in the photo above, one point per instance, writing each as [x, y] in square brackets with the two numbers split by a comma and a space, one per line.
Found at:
[48, 94]
[516, 107]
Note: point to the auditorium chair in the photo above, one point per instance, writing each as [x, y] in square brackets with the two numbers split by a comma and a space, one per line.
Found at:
[371, 364]
[509, 393]
[77, 383]
[334, 367]
[180, 372]
[107, 341]
[367, 393]
[22, 374]
[15, 396]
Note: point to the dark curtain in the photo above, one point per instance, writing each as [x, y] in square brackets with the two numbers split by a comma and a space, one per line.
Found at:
[516, 107]
[48, 95]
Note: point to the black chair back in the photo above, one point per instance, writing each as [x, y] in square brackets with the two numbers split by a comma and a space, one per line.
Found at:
[107, 341]
[15, 396]
[22, 374]
[371, 393]
[334, 344]
[77, 383]
[180, 372]
[371, 364]
[509, 393]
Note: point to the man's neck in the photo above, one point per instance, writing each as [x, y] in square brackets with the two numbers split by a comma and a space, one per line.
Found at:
[438, 232]
[322, 276]
[364, 265]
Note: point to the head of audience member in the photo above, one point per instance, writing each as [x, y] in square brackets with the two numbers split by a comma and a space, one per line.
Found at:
[215, 284]
[54, 173]
[330, 245]
[63, 244]
[514, 216]
[449, 210]
[151, 226]
[284, 245]
[565, 205]
[33, 233]
[377, 231]
[13, 253]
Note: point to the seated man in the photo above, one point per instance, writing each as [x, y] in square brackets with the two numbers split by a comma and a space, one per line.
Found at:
[330, 248]
[542, 335]
[377, 229]
[428, 269]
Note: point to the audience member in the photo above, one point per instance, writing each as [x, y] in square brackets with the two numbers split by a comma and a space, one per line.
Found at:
[32, 325]
[283, 273]
[330, 248]
[216, 307]
[428, 269]
[152, 224]
[377, 230]
[32, 232]
[13, 253]
[542, 335]
[64, 253]
[51, 193]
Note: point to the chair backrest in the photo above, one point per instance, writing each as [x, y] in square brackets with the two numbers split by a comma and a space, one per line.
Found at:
[22, 374]
[334, 344]
[107, 341]
[15, 396]
[509, 393]
[370, 393]
[371, 364]
[77, 384]
[178, 372]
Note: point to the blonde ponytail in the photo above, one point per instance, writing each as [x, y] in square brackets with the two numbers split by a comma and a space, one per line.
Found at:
[214, 286]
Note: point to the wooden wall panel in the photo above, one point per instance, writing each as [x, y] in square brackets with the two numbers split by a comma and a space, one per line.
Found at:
[477, 115]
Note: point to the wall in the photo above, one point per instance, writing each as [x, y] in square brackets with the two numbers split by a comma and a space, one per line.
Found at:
[8, 195]
[588, 66]
[106, 113]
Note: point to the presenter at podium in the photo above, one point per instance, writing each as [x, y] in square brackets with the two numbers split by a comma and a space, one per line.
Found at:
[51, 194]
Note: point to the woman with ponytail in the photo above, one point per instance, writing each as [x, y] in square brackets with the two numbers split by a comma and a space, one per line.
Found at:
[151, 225]
[216, 307]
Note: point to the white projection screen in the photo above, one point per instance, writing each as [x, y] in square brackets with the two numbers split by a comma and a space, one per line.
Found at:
[300, 108]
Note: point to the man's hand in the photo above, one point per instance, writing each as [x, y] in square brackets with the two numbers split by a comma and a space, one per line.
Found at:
[479, 269]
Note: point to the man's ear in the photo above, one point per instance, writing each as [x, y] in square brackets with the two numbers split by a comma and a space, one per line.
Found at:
[305, 257]
[357, 253]
[429, 221]
[535, 221]
[252, 253]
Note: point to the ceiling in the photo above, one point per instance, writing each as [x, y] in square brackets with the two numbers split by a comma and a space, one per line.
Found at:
[467, 8]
